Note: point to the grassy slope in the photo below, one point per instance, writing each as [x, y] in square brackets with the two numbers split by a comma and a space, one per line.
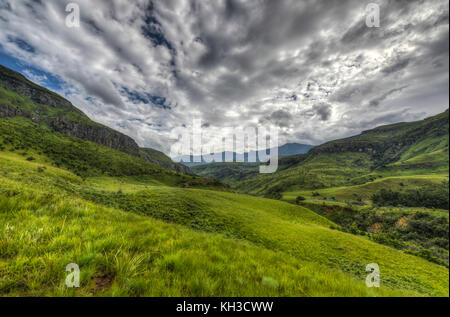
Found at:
[399, 157]
[161, 159]
[319, 171]
[85, 158]
[45, 113]
[157, 156]
[365, 191]
[123, 254]
[229, 173]
[240, 246]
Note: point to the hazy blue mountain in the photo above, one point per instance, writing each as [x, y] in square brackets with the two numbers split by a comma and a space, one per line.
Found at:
[284, 150]
[293, 149]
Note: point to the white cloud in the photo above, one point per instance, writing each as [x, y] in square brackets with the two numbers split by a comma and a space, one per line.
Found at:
[311, 67]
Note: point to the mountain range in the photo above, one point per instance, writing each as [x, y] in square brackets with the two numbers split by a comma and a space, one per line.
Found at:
[399, 149]
[227, 156]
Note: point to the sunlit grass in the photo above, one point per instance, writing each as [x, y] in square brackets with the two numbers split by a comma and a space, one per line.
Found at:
[365, 191]
[205, 243]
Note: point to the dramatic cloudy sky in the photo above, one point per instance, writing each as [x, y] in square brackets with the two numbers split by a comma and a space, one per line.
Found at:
[313, 68]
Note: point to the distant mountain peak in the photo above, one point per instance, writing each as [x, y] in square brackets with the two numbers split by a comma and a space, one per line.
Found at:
[287, 149]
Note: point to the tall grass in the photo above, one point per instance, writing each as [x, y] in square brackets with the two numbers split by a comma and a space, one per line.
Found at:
[205, 243]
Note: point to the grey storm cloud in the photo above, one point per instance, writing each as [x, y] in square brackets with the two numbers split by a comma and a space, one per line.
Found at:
[323, 111]
[396, 66]
[280, 118]
[147, 67]
[378, 100]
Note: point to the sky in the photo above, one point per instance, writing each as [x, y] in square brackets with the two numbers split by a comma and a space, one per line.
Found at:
[313, 69]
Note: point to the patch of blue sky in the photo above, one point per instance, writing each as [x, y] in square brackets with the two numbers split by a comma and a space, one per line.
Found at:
[33, 73]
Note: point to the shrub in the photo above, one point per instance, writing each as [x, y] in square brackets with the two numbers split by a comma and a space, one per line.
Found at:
[299, 199]
[41, 169]
[431, 196]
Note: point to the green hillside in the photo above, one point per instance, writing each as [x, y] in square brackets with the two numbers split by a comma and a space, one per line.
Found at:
[86, 159]
[20, 97]
[416, 148]
[389, 183]
[161, 159]
[29, 98]
[163, 240]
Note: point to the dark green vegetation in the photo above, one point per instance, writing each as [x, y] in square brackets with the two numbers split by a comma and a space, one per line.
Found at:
[138, 229]
[418, 232]
[430, 196]
[230, 173]
[163, 160]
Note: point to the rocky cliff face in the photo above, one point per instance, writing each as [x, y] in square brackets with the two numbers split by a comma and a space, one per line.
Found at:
[181, 168]
[9, 111]
[84, 129]
[13, 81]
[350, 146]
[95, 133]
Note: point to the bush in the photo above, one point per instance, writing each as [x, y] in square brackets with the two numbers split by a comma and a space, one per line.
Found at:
[399, 229]
[299, 199]
[41, 169]
[431, 196]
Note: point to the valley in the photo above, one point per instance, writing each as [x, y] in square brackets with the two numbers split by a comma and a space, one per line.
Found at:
[138, 224]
